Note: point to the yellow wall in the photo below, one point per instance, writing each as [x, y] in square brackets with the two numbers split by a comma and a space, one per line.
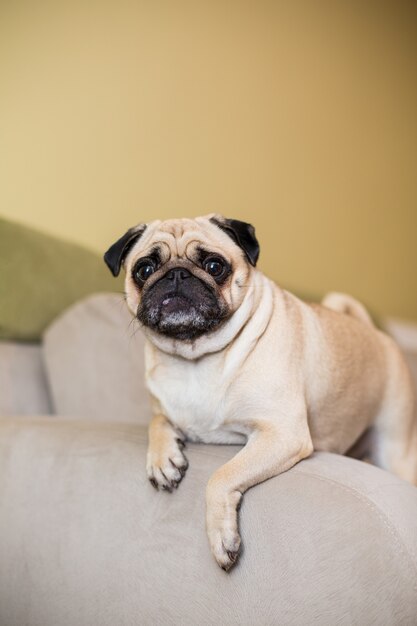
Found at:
[300, 117]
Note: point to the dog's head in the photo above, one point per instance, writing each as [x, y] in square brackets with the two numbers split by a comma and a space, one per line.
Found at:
[185, 277]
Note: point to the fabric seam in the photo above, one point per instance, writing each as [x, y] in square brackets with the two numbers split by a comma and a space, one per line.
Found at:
[408, 554]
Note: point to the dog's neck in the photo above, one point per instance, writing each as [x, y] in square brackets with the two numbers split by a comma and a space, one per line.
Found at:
[261, 288]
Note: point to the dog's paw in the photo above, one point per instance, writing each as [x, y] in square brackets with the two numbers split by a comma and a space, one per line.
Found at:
[225, 546]
[166, 468]
[222, 530]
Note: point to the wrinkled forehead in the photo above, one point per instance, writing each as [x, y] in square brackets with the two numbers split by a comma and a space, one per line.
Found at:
[181, 238]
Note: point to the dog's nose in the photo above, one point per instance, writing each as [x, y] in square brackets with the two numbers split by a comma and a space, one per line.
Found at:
[178, 274]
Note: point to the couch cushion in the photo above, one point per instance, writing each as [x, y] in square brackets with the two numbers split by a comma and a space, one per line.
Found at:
[23, 386]
[85, 539]
[94, 361]
[40, 276]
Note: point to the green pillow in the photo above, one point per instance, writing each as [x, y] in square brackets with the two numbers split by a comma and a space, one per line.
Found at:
[40, 276]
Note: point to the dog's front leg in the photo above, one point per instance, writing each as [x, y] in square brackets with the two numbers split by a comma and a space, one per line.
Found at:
[269, 451]
[165, 463]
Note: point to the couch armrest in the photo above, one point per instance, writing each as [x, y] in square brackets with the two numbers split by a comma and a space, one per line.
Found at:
[86, 540]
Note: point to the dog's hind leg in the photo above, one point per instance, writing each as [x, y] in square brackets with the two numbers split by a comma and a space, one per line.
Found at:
[394, 432]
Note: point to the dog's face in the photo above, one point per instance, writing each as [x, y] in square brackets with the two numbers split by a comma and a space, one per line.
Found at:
[185, 277]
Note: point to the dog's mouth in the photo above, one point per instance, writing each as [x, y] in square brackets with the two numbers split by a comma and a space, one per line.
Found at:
[173, 302]
[190, 311]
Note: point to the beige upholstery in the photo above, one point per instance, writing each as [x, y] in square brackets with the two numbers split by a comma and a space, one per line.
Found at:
[86, 541]
[23, 384]
[94, 360]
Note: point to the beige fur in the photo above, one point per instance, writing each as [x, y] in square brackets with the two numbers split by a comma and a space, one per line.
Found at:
[281, 376]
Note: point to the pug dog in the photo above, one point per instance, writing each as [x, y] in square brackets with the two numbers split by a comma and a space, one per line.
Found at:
[232, 358]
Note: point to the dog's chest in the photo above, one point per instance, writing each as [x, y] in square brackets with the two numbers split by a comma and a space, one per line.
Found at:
[193, 396]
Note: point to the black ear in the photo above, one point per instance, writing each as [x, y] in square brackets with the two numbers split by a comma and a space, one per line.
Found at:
[243, 235]
[116, 254]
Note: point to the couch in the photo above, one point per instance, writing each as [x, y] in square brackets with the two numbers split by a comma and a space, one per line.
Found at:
[85, 540]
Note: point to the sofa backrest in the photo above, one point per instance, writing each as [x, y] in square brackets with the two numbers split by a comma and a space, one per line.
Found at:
[23, 382]
[94, 361]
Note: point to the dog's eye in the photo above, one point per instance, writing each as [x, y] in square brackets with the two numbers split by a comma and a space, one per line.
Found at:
[214, 266]
[143, 271]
